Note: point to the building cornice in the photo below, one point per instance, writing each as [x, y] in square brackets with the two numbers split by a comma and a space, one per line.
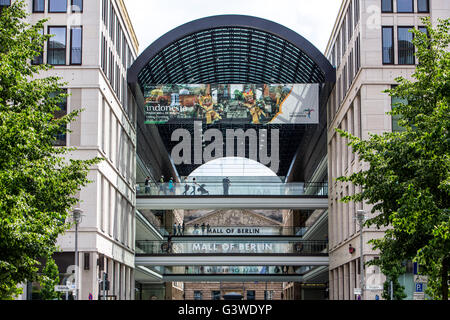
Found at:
[127, 21]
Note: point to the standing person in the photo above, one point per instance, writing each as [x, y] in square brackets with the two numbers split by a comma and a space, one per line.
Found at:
[161, 185]
[226, 185]
[182, 229]
[194, 186]
[179, 230]
[174, 228]
[203, 228]
[147, 185]
[171, 186]
[186, 186]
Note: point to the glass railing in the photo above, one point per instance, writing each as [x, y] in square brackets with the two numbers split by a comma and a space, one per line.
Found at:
[230, 270]
[230, 247]
[235, 189]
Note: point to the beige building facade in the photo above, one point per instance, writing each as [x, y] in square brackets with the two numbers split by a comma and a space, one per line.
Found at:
[370, 47]
[93, 46]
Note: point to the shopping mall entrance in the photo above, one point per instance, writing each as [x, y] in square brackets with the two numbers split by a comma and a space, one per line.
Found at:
[232, 183]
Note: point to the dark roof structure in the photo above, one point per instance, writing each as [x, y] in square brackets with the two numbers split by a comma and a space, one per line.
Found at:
[231, 49]
[238, 49]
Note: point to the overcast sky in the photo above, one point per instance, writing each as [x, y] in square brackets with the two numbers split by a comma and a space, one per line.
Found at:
[313, 19]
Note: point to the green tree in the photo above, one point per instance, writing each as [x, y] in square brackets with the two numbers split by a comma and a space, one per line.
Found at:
[38, 182]
[50, 279]
[408, 181]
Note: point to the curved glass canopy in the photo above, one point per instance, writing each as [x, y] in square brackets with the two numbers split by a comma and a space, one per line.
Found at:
[231, 49]
[239, 49]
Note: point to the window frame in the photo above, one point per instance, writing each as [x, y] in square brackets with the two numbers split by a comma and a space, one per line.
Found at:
[428, 6]
[35, 61]
[407, 12]
[34, 6]
[71, 46]
[5, 5]
[392, 6]
[65, 48]
[72, 8]
[49, 7]
[398, 45]
[392, 47]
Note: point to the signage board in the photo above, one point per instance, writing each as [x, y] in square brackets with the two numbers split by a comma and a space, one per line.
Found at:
[420, 279]
[232, 231]
[357, 291]
[419, 296]
[419, 287]
[62, 288]
[258, 104]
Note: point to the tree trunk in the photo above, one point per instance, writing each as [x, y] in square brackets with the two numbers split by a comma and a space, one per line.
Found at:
[445, 264]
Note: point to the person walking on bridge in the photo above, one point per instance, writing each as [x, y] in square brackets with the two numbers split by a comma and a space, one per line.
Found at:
[226, 185]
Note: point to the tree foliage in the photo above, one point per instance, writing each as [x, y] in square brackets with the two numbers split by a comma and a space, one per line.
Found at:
[50, 279]
[38, 182]
[408, 180]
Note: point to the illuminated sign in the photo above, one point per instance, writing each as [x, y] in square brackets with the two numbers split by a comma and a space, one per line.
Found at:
[232, 231]
[232, 247]
[232, 103]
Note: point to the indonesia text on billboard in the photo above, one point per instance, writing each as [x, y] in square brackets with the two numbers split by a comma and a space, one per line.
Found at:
[232, 103]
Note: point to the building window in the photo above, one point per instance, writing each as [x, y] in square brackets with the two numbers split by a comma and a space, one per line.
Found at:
[56, 54]
[250, 294]
[198, 295]
[61, 138]
[57, 6]
[38, 6]
[423, 6]
[405, 46]
[395, 101]
[77, 5]
[405, 6]
[388, 45]
[76, 45]
[40, 58]
[387, 6]
[215, 295]
[5, 3]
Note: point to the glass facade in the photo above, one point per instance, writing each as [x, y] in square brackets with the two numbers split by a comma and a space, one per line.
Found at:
[57, 6]
[388, 45]
[405, 6]
[77, 5]
[405, 46]
[38, 5]
[56, 54]
[76, 38]
[387, 6]
[423, 6]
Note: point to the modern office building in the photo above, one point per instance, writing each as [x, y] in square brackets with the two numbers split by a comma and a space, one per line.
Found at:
[139, 234]
[369, 46]
[93, 47]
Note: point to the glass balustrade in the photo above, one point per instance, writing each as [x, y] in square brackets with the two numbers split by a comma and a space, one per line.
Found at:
[230, 247]
[235, 189]
[230, 270]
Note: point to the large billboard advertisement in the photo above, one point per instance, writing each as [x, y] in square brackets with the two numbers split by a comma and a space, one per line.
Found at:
[232, 103]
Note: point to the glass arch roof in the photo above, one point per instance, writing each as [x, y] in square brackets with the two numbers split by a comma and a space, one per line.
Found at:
[231, 49]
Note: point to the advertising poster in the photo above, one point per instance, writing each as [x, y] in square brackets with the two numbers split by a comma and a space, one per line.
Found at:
[232, 103]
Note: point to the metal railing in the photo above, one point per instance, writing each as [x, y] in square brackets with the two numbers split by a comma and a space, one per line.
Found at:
[230, 247]
[235, 189]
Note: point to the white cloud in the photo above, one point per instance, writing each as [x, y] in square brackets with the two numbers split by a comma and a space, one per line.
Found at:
[313, 19]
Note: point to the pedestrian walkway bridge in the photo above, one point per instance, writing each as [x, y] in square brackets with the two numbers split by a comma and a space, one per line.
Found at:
[240, 196]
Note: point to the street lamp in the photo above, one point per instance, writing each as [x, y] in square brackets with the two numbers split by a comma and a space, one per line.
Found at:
[76, 215]
[360, 216]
